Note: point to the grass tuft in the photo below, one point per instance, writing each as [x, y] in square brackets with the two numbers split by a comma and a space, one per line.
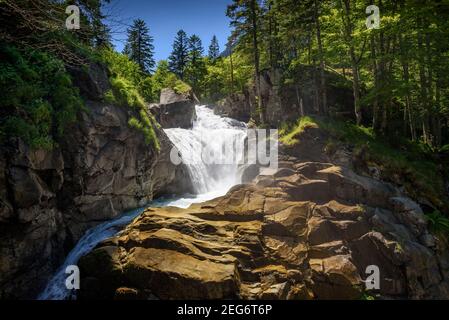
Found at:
[289, 135]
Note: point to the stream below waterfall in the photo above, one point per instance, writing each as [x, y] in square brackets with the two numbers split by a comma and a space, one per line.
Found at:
[210, 132]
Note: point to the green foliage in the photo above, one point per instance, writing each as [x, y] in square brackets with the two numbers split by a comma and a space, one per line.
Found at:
[145, 125]
[38, 98]
[220, 81]
[180, 55]
[439, 223]
[181, 87]
[126, 94]
[214, 49]
[367, 297]
[120, 65]
[196, 67]
[163, 78]
[130, 87]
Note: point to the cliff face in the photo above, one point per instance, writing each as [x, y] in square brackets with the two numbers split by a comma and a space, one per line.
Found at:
[48, 199]
[307, 231]
[285, 103]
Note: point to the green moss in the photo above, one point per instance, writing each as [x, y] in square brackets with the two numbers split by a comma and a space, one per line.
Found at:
[181, 87]
[145, 125]
[289, 134]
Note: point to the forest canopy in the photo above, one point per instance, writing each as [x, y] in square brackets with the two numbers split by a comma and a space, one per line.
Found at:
[394, 55]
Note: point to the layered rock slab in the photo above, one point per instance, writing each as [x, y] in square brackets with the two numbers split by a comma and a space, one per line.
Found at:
[309, 231]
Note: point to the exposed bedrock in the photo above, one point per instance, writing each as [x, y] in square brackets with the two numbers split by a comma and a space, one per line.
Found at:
[308, 231]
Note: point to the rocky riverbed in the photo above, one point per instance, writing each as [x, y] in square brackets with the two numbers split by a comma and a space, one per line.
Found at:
[307, 231]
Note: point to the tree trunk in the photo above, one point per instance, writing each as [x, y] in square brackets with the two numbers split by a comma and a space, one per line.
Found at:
[354, 63]
[299, 100]
[322, 89]
[423, 84]
[232, 68]
[257, 62]
[408, 112]
[376, 83]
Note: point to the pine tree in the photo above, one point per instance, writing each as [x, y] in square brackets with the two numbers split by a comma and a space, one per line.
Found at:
[196, 68]
[196, 50]
[214, 49]
[180, 55]
[139, 46]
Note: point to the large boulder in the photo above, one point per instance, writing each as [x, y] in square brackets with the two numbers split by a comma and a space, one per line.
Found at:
[235, 106]
[307, 231]
[48, 199]
[175, 110]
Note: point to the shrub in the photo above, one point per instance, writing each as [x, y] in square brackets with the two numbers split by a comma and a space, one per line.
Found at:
[439, 223]
[129, 86]
[37, 98]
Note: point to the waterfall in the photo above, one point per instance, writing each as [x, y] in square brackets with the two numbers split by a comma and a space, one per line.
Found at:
[215, 138]
[210, 134]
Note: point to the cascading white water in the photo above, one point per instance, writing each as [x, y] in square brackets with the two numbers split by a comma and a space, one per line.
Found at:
[211, 150]
[210, 132]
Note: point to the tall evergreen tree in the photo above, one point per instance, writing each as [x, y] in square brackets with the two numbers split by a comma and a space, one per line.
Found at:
[180, 55]
[214, 49]
[196, 50]
[196, 68]
[139, 46]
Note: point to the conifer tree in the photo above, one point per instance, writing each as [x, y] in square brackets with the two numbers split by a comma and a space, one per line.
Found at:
[139, 46]
[196, 68]
[180, 55]
[214, 49]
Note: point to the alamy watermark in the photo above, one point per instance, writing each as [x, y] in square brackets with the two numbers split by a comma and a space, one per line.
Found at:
[260, 147]
[72, 282]
[373, 20]
[372, 282]
[73, 20]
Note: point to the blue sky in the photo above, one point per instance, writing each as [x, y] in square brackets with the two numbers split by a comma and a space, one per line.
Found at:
[165, 17]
